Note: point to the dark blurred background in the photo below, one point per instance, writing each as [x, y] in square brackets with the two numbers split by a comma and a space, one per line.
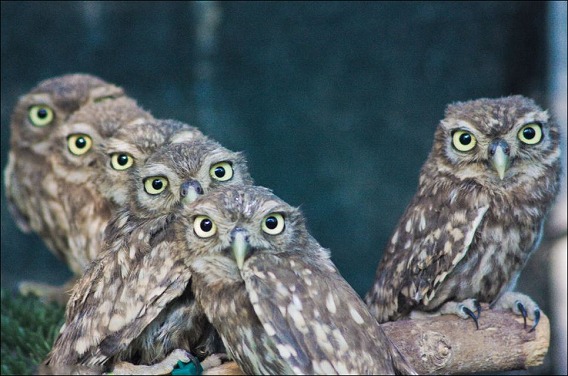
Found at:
[334, 103]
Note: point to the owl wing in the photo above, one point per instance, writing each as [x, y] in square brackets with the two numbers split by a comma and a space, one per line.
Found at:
[120, 294]
[317, 322]
[429, 242]
[11, 184]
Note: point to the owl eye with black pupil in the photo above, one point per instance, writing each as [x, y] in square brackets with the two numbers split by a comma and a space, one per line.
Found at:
[206, 225]
[157, 184]
[529, 133]
[122, 159]
[40, 115]
[80, 142]
[219, 172]
[465, 139]
[271, 223]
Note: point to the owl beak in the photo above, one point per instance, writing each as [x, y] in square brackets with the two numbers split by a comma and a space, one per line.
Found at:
[190, 191]
[499, 151]
[240, 245]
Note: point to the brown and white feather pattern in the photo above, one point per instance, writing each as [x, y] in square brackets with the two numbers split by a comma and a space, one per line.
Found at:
[288, 310]
[467, 233]
[134, 303]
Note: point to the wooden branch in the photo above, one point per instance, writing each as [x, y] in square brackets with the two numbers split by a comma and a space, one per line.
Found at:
[451, 345]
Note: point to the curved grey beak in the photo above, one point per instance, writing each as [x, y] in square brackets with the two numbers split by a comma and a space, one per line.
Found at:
[240, 245]
[190, 191]
[499, 151]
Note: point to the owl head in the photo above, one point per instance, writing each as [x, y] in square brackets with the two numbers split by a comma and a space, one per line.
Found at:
[76, 153]
[234, 223]
[131, 145]
[38, 113]
[500, 142]
[179, 172]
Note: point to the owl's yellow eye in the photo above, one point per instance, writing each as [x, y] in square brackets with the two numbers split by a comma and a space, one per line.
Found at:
[221, 171]
[531, 134]
[273, 224]
[463, 140]
[121, 161]
[204, 227]
[40, 115]
[79, 144]
[155, 184]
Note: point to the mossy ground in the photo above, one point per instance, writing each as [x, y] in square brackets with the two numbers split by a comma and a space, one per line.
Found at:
[29, 328]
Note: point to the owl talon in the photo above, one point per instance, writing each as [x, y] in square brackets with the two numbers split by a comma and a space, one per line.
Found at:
[523, 311]
[469, 312]
[536, 319]
[478, 308]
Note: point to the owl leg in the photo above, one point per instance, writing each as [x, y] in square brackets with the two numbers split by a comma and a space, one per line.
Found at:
[464, 309]
[521, 305]
[163, 368]
[48, 293]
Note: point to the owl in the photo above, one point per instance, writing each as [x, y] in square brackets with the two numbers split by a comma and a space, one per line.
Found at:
[483, 194]
[134, 304]
[272, 292]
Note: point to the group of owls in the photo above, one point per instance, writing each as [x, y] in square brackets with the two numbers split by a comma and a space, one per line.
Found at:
[177, 254]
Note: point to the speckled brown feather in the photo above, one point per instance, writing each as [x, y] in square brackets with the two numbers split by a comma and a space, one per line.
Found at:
[467, 233]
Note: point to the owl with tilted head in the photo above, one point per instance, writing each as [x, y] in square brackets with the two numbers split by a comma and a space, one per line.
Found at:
[477, 216]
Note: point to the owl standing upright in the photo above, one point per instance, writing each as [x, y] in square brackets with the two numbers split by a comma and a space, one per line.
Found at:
[483, 194]
[55, 165]
[134, 304]
[273, 294]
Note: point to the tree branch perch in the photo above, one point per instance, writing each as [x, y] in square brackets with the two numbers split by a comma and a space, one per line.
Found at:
[451, 345]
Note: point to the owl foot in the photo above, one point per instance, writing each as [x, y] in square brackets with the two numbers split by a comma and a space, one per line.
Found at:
[521, 305]
[163, 368]
[463, 309]
[47, 293]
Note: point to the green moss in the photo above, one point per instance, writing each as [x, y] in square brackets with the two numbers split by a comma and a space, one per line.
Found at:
[29, 328]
